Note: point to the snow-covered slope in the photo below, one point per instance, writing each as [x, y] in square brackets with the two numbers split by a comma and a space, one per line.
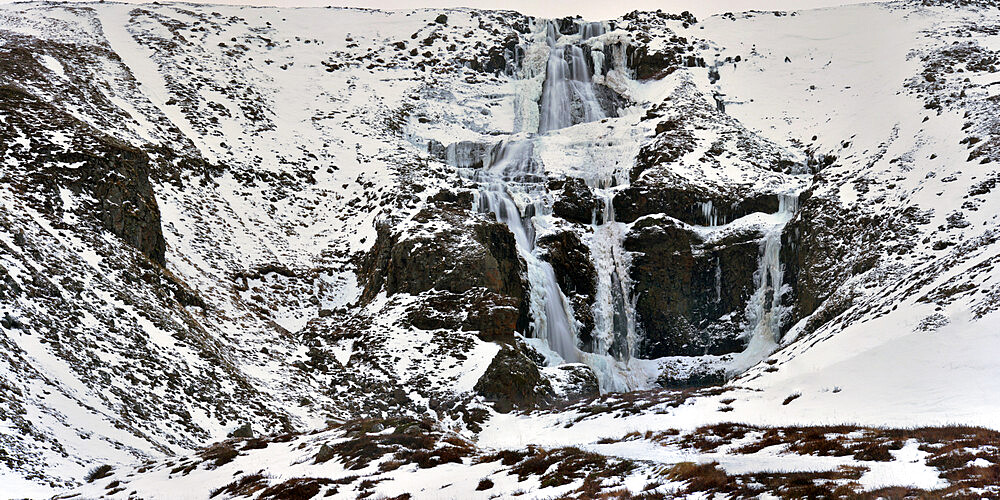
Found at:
[233, 221]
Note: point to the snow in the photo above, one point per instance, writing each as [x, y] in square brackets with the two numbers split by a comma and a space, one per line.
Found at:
[908, 468]
[53, 65]
[891, 359]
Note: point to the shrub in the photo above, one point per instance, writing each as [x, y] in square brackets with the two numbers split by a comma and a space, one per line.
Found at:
[302, 488]
[99, 472]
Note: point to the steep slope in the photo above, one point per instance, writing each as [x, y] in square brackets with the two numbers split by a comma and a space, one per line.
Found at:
[438, 235]
[270, 163]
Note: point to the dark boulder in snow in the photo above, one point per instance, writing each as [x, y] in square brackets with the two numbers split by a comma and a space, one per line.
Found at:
[513, 381]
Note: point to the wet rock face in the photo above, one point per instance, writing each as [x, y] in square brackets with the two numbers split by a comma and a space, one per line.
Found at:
[690, 297]
[609, 100]
[570, 259]
[109, 179]
[466, 154]
[686, 203]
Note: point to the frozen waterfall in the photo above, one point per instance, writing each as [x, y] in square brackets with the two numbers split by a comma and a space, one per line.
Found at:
[508, 173]
[568, 94]
[765, 312]
[512, 185]
[614, 308]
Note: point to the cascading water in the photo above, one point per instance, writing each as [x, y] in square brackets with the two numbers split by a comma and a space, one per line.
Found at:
[509, 172]
[568, 94]
[765, 311]
[592, 29]
[512, 185]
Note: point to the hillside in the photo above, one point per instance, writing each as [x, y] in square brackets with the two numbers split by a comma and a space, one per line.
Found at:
[266, 252]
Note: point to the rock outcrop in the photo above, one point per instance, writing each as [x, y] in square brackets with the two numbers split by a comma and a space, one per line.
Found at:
[691, 295]
[513, 381]
[108, 178]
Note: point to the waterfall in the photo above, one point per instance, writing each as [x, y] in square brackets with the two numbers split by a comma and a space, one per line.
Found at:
[568, 94]
[765, 312]
[512, 185]
[511, 171]
[590, 30]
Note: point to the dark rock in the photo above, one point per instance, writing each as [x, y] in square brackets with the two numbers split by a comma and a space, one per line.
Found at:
[609, 100]
[442, 261]
[441, 19]
[570, 258]
[325, 454]
[503, 58]
[827, 243]
[672, 141]
[653, 65]
[579, 382]
[10, 323]
[437, 150]
[701, 376]
[513, 381]
[684, 288]
[496, 317]
[576, 203]
[568, 25]
[112, 176]
[685, 203]
[243, 431]
[471, 264]
[461, 199]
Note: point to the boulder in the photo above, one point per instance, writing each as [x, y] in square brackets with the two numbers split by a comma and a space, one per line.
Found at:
[576, 203]
[513, 381]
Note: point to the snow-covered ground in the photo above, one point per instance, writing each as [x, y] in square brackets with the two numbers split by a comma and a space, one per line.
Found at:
[279, 139]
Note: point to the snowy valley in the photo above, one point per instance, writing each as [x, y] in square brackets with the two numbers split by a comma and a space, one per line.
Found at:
[253, 252]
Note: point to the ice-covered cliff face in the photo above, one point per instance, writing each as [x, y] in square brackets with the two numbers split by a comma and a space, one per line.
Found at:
[219, 216]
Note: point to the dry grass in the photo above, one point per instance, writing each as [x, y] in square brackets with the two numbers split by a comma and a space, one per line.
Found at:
[301, 488]
[244, 486]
